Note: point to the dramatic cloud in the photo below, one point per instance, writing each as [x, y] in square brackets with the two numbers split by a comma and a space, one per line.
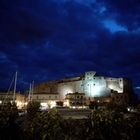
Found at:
[51, 39]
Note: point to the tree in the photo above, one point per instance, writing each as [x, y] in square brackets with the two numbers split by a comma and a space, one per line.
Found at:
[32, 108]
[44, 126]
[8, 117]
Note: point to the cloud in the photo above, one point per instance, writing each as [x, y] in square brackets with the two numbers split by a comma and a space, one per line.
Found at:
[51, 39]
[126, 12]
[113, 26]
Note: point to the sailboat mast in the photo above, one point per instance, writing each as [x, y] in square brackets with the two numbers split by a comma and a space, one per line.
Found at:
[29, 96]
[15, 85]
[32, 89]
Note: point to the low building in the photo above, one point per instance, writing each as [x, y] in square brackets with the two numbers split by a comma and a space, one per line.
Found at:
[76, 99]
[5, 97]
[20, 99]
[47, 100]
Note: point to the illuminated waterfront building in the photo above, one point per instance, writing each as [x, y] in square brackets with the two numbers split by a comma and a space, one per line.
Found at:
[76, 91]
[92, 85]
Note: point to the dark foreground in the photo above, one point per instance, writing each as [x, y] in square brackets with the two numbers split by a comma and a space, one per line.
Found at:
[52, 125]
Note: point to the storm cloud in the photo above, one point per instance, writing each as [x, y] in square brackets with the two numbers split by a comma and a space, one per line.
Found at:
[50, 39]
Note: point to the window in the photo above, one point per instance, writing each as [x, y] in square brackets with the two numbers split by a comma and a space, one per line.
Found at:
[49, 97]
[55, 97]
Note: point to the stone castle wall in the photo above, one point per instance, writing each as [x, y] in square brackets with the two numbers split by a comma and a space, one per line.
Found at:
[90, 84]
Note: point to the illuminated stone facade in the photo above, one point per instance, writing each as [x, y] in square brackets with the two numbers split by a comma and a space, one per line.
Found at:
[90, 84]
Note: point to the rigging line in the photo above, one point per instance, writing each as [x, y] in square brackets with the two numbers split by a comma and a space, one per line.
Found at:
[9, 88]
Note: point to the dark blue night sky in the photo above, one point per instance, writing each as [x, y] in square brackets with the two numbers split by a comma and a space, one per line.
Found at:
[51, 39]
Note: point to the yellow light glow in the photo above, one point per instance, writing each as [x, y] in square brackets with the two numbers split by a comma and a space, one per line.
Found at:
[66, 103]
[20, 105]
[52, 104]
[25, 103]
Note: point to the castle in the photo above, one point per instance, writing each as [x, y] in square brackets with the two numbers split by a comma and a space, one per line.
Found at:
[92, 85]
